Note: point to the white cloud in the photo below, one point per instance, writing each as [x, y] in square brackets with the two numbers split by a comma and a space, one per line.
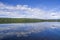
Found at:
[24, 11]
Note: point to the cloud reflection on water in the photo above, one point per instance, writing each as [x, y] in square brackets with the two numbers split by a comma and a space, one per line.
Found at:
[24, 29]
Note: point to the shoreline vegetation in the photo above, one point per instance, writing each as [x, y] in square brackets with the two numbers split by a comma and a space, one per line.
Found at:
[25, 20]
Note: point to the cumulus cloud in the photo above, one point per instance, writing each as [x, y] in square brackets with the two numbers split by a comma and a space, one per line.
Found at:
[24, 11]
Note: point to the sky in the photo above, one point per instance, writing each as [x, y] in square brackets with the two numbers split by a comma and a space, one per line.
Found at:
[41, 9]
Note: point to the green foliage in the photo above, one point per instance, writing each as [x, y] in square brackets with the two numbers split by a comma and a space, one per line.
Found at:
[18, 20]
[23, 20]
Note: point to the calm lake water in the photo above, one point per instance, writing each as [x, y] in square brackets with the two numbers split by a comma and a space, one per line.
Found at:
[30, 31]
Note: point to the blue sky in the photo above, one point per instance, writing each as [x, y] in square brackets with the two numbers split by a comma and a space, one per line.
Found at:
[43, 9]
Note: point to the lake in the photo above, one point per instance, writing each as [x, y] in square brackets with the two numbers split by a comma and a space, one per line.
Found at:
[30, 31]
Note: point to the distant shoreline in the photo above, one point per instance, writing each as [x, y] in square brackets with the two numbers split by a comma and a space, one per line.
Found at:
[25, 20]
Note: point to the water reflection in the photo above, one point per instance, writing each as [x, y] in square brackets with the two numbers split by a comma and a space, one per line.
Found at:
[40, 31]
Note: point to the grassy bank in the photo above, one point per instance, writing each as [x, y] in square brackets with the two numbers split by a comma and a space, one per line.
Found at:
[23, 20]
